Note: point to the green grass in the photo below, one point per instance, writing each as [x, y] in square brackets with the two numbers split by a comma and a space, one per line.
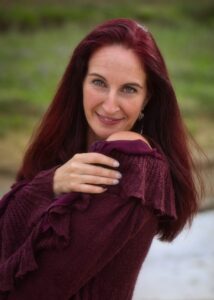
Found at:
[33, 61]
[188, 52]
[31, 14]
[31, 64]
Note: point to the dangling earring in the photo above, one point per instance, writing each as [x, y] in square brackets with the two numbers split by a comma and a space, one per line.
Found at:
[140, 118]
[141, 115]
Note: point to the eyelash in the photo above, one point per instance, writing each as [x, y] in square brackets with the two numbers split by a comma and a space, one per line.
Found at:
[133, 90]
[98, 82]
[101, 84]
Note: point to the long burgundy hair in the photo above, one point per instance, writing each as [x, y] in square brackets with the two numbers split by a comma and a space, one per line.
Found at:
[63, 129]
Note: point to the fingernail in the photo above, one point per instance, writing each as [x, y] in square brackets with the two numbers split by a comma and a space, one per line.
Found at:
[116, 163]
[115, 181]
[119, 175]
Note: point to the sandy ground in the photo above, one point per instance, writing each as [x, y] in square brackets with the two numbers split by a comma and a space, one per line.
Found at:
[182, 270]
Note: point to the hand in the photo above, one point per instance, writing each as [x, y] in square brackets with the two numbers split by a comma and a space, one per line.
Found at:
[80, 174]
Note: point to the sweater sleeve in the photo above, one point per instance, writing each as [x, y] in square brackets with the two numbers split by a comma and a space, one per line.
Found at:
[80, 233]
[21, 207]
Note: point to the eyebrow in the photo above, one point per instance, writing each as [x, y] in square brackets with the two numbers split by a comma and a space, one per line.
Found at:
[128, 83]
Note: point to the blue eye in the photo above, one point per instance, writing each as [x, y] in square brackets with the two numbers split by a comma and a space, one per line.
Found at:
[129, 89]
[98, 82]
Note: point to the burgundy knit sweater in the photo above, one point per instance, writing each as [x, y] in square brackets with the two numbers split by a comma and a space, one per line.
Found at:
[84, 246]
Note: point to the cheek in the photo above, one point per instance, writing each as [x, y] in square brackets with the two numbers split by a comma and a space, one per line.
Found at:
[90, 99]
[132, 109]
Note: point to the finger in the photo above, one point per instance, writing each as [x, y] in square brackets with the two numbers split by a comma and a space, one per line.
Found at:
[98, 180]
[87, 169]
[96, 158]
[87, 188]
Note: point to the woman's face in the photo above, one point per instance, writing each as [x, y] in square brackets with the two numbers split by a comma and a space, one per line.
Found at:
[114, 91]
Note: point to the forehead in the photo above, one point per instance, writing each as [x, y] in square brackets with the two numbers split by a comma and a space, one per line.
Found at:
[117, 61]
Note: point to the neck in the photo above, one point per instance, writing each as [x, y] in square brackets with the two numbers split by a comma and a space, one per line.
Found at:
[91, 138]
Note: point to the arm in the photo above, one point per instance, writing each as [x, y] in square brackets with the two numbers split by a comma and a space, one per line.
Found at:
[26, 196]
[97, 235]
[99, 231]
[22, 206]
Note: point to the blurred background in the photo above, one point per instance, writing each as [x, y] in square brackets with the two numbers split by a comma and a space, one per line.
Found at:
[36, 41]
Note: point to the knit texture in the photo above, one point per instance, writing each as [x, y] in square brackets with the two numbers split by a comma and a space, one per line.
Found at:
[84, 246]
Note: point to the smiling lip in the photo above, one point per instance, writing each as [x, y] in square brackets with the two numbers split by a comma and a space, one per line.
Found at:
[107, 120]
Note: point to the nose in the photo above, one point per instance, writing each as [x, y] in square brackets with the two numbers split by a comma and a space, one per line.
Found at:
[110, 104]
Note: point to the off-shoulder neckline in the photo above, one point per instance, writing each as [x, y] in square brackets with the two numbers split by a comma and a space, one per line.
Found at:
[136, 146]
[115, 142]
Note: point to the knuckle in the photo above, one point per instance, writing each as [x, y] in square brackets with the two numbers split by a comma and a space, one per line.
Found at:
[92, 189]
[73, 165]
[85, 188]
[77, 156]
[97, 171]
[96, 157]
[103, 180]
[98, 189]
[71, 176]
[111, 173]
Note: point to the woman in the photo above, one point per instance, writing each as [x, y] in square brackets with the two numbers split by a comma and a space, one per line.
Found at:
[108, 169]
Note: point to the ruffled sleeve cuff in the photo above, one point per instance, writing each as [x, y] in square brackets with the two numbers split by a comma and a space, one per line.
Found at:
[43, 183]
[146, 174]
[41, 186]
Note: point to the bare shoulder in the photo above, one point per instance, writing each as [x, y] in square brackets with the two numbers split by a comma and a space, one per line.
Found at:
[127, 135]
